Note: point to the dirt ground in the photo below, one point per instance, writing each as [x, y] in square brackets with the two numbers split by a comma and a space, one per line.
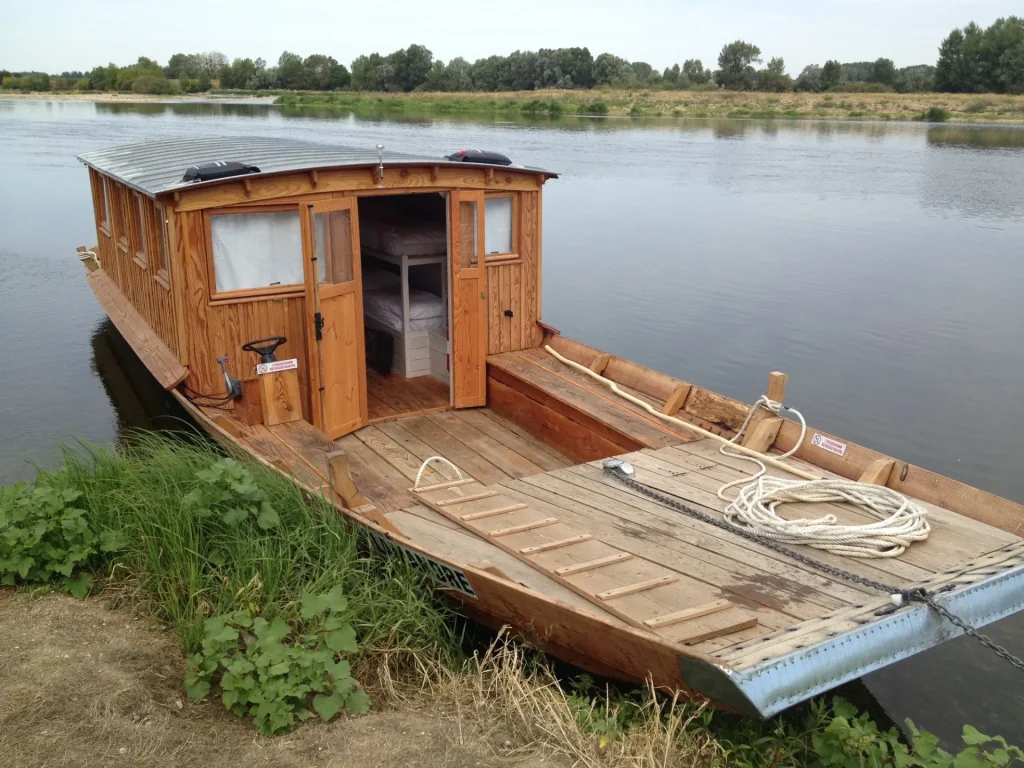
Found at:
[84, 685]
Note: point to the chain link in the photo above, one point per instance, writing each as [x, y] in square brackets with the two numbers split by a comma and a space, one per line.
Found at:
[917, 595]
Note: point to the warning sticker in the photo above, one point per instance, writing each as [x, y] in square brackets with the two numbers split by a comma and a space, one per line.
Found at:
[277, 365]
[828, 444]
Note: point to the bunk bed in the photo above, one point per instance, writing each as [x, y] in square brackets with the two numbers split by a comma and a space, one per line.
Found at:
[402, 262]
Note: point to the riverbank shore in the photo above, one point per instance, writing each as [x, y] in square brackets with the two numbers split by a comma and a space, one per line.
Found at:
[929, 107]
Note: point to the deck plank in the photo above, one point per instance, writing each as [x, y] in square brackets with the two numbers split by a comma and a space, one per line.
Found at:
[507, 434]
[443, 443]
[653, 540]
[614, 415]
[497, 453]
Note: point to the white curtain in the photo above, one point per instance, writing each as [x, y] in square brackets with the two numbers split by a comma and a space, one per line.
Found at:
[256, 250]
[498, 225]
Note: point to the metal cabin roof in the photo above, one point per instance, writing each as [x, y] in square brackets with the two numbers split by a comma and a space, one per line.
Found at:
[153, 167]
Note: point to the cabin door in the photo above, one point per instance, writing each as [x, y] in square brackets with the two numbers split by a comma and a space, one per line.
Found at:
[469, 306]
[334, 306]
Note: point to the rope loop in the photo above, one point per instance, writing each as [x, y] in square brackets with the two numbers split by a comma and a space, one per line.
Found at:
[426, 463]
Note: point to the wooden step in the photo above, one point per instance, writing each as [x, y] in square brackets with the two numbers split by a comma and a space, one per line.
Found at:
[641, 592]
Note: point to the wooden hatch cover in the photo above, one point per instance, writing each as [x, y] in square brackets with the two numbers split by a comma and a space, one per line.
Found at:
[638, 591]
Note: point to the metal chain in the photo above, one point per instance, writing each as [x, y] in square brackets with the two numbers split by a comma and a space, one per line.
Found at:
[917, 594]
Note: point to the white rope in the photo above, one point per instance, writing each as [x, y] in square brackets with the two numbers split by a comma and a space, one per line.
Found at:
[423, 468]
[901, 522]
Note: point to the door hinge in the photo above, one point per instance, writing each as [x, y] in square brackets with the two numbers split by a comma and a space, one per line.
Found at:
[318, 324]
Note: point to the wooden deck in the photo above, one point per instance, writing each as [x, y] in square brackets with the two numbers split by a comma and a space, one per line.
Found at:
[706, 564]
[712, 564]
[394, 396]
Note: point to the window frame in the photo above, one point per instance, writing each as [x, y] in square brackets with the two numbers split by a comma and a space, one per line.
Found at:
[250, 294]
[163, 271]
[140, 220]
[120, 217]
[504, 256]
[102, 204]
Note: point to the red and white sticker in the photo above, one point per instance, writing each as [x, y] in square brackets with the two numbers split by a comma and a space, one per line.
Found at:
[828, 444]
[277, 365]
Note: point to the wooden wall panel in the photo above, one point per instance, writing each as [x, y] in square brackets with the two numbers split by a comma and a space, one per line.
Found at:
[529, 250]
[504, 292]
[135, 277]
[232, 325]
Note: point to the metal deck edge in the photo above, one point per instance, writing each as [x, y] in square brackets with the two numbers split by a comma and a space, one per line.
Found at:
[768, 688]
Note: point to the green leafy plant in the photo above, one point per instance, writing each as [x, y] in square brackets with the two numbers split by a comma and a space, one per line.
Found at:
[267, 670]
[229, 489]
[45, 537]
[854, 741]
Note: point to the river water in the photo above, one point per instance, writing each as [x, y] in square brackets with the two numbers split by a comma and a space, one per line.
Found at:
[878, 264]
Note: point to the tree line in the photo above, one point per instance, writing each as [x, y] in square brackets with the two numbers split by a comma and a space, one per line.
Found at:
[971, 59]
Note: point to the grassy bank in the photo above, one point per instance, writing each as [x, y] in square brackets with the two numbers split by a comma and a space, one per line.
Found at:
[934, 107]
[280, 618]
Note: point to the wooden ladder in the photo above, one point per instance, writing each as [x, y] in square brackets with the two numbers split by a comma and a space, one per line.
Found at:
[638, 591]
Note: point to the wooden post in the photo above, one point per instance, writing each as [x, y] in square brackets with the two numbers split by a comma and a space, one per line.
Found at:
[250, 408]
[279, 392]
[877, 472]
[341, 480]
[764, 426]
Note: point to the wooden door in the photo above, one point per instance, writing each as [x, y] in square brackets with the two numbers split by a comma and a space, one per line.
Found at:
[469, 306]
[334, 302]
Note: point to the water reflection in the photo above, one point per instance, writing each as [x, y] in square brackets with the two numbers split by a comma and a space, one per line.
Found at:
[138, 400]
[974, 136]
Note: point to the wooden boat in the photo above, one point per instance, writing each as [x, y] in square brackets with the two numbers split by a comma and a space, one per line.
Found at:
[429, 269]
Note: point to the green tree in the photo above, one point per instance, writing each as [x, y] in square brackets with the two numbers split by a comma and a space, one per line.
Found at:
[809, 79]
[607, 67]
[405, 69]
[734, 65]
[916, 79]
[831, 74]
[883, 71]
[694, 71]
[324, 73]
[291, 73]
[364, 72]
[773, 77]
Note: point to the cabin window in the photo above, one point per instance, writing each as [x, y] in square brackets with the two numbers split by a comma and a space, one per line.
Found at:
[120, 215]
[139, 235]
[163, 273]
[468, 235]
[256, 251]
[498, 225]
[102, 203]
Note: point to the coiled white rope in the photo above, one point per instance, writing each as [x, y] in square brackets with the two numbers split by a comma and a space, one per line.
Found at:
[426, 463]
[901, 522]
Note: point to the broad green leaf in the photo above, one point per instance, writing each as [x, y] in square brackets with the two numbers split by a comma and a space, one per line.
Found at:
[312, 605]
[342, 640]
[268, 517]
[226, 635]
[358, 702]
[79, 585]
[196, 689]
[339, 670]
[336, 600]
[241, 619]
[972, 736]
[328, 706]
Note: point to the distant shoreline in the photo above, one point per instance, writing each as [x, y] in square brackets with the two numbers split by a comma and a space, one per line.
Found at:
[833, 105]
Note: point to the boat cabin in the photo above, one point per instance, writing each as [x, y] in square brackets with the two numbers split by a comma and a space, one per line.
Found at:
[388, 278]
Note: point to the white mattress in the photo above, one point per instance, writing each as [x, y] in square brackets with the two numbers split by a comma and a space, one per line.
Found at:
[426, 311]
[413, 238]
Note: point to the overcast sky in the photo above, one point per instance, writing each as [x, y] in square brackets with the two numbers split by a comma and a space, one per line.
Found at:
[58, 35]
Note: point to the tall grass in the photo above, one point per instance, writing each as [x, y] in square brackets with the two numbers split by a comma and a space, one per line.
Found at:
[187, 567]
